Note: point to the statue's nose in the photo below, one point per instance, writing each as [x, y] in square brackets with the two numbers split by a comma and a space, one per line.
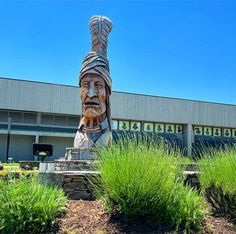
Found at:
[91, 91]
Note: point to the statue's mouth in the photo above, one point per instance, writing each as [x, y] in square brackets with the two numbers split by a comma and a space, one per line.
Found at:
[91, 104]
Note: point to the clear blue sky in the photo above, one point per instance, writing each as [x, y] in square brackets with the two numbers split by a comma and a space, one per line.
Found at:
[183, 49]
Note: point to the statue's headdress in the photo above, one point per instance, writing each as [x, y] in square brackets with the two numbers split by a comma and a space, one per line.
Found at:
[96, 61]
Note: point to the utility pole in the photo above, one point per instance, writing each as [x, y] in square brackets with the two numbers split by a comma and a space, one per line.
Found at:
[8, 137]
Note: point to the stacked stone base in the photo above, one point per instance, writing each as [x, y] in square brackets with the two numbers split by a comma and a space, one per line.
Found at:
[77, 178]
[76, 185]
[80, 186]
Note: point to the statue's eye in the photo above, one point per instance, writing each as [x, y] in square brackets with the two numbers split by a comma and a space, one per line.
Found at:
[85, 84]
[99, 85]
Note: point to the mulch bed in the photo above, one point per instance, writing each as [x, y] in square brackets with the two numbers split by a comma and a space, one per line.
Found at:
[91, 217]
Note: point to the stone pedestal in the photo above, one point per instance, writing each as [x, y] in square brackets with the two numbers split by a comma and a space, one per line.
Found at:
[80, 154]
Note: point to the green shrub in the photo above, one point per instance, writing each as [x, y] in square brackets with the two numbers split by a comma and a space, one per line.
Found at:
[218, 180]
[147, 183]
[27, 206]
[219, 169]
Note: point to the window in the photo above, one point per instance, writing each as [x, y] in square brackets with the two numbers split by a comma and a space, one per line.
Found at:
[47, 119]
[124, 125]
[135, 126]
[148, 127]
[29, 118]
[16, 116]
[3, 116]
[114, 124]
[159, 128]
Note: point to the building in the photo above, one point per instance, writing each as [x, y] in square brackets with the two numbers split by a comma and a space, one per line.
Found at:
[50, 113]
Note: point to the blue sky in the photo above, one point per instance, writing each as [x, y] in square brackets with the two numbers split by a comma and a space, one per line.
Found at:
[183, 49]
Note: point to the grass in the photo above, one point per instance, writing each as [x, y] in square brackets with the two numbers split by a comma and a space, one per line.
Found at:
[218, 180]
[219, 168]
[145, 182]
[27, 206]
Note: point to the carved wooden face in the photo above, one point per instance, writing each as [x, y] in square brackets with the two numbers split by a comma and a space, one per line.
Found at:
[93, 95]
